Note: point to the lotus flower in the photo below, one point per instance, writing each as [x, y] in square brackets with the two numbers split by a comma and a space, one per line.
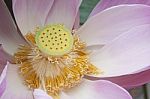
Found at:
[53, 56]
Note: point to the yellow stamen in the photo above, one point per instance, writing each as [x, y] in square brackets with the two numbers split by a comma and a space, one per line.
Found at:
[54, 70]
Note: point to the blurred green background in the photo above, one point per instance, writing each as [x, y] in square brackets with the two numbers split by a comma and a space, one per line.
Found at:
[85, 9]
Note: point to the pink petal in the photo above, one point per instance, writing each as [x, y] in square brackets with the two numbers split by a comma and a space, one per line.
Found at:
[4, 57]
[3, 80]
[104, 4]
[3, 60]
[127, 81]
[77, 21]
[15, 89]
[30, 14]
[2, 87]
[9, 36]
[126, 54]
[96, 90]
[39, 94]
[64, 12]
[110, 23]
[133, 80]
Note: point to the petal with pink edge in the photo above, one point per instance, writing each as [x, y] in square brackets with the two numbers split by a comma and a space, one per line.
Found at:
[39, 94]
[110, 23]
[3, 60]
[4, 56]
[127, 81]
[77, 21]
[3, 79]
[133, 80]
[15, 89]
[126, 54]
[30, 14]
[104, 4]
[96, 90]
[64, 12]
[9, 36]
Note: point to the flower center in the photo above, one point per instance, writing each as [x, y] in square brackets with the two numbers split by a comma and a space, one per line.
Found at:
[54, 40]
[56, 60]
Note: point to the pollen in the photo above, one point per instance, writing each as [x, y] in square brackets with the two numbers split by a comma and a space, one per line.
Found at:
[54, 40]
[56, 60]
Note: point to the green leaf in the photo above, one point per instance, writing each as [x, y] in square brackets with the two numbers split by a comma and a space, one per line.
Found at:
[86, 8]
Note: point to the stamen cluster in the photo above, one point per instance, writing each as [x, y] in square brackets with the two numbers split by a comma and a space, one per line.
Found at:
[53, 73]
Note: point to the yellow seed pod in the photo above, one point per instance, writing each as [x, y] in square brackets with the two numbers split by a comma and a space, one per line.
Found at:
[54, 40]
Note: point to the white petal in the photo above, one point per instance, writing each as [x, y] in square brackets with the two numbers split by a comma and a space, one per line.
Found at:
[40, 94]
[15, 89]
[30, 14]
[127, 54]
[110, 23]
[96, 90]
[64, 12]
[10, 38]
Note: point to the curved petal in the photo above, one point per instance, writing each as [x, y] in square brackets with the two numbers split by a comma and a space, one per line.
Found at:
[133, 80]
[15, 89]
[4, 56]
[9, 36]
[107, 25]
[96, 90]
[2, 87]
[64, 12]
[39, 94]
[126, 54]
[30, 14]
[3, 60]
[104, 4]
[3, 79]
[77, 21]
[127, 81]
